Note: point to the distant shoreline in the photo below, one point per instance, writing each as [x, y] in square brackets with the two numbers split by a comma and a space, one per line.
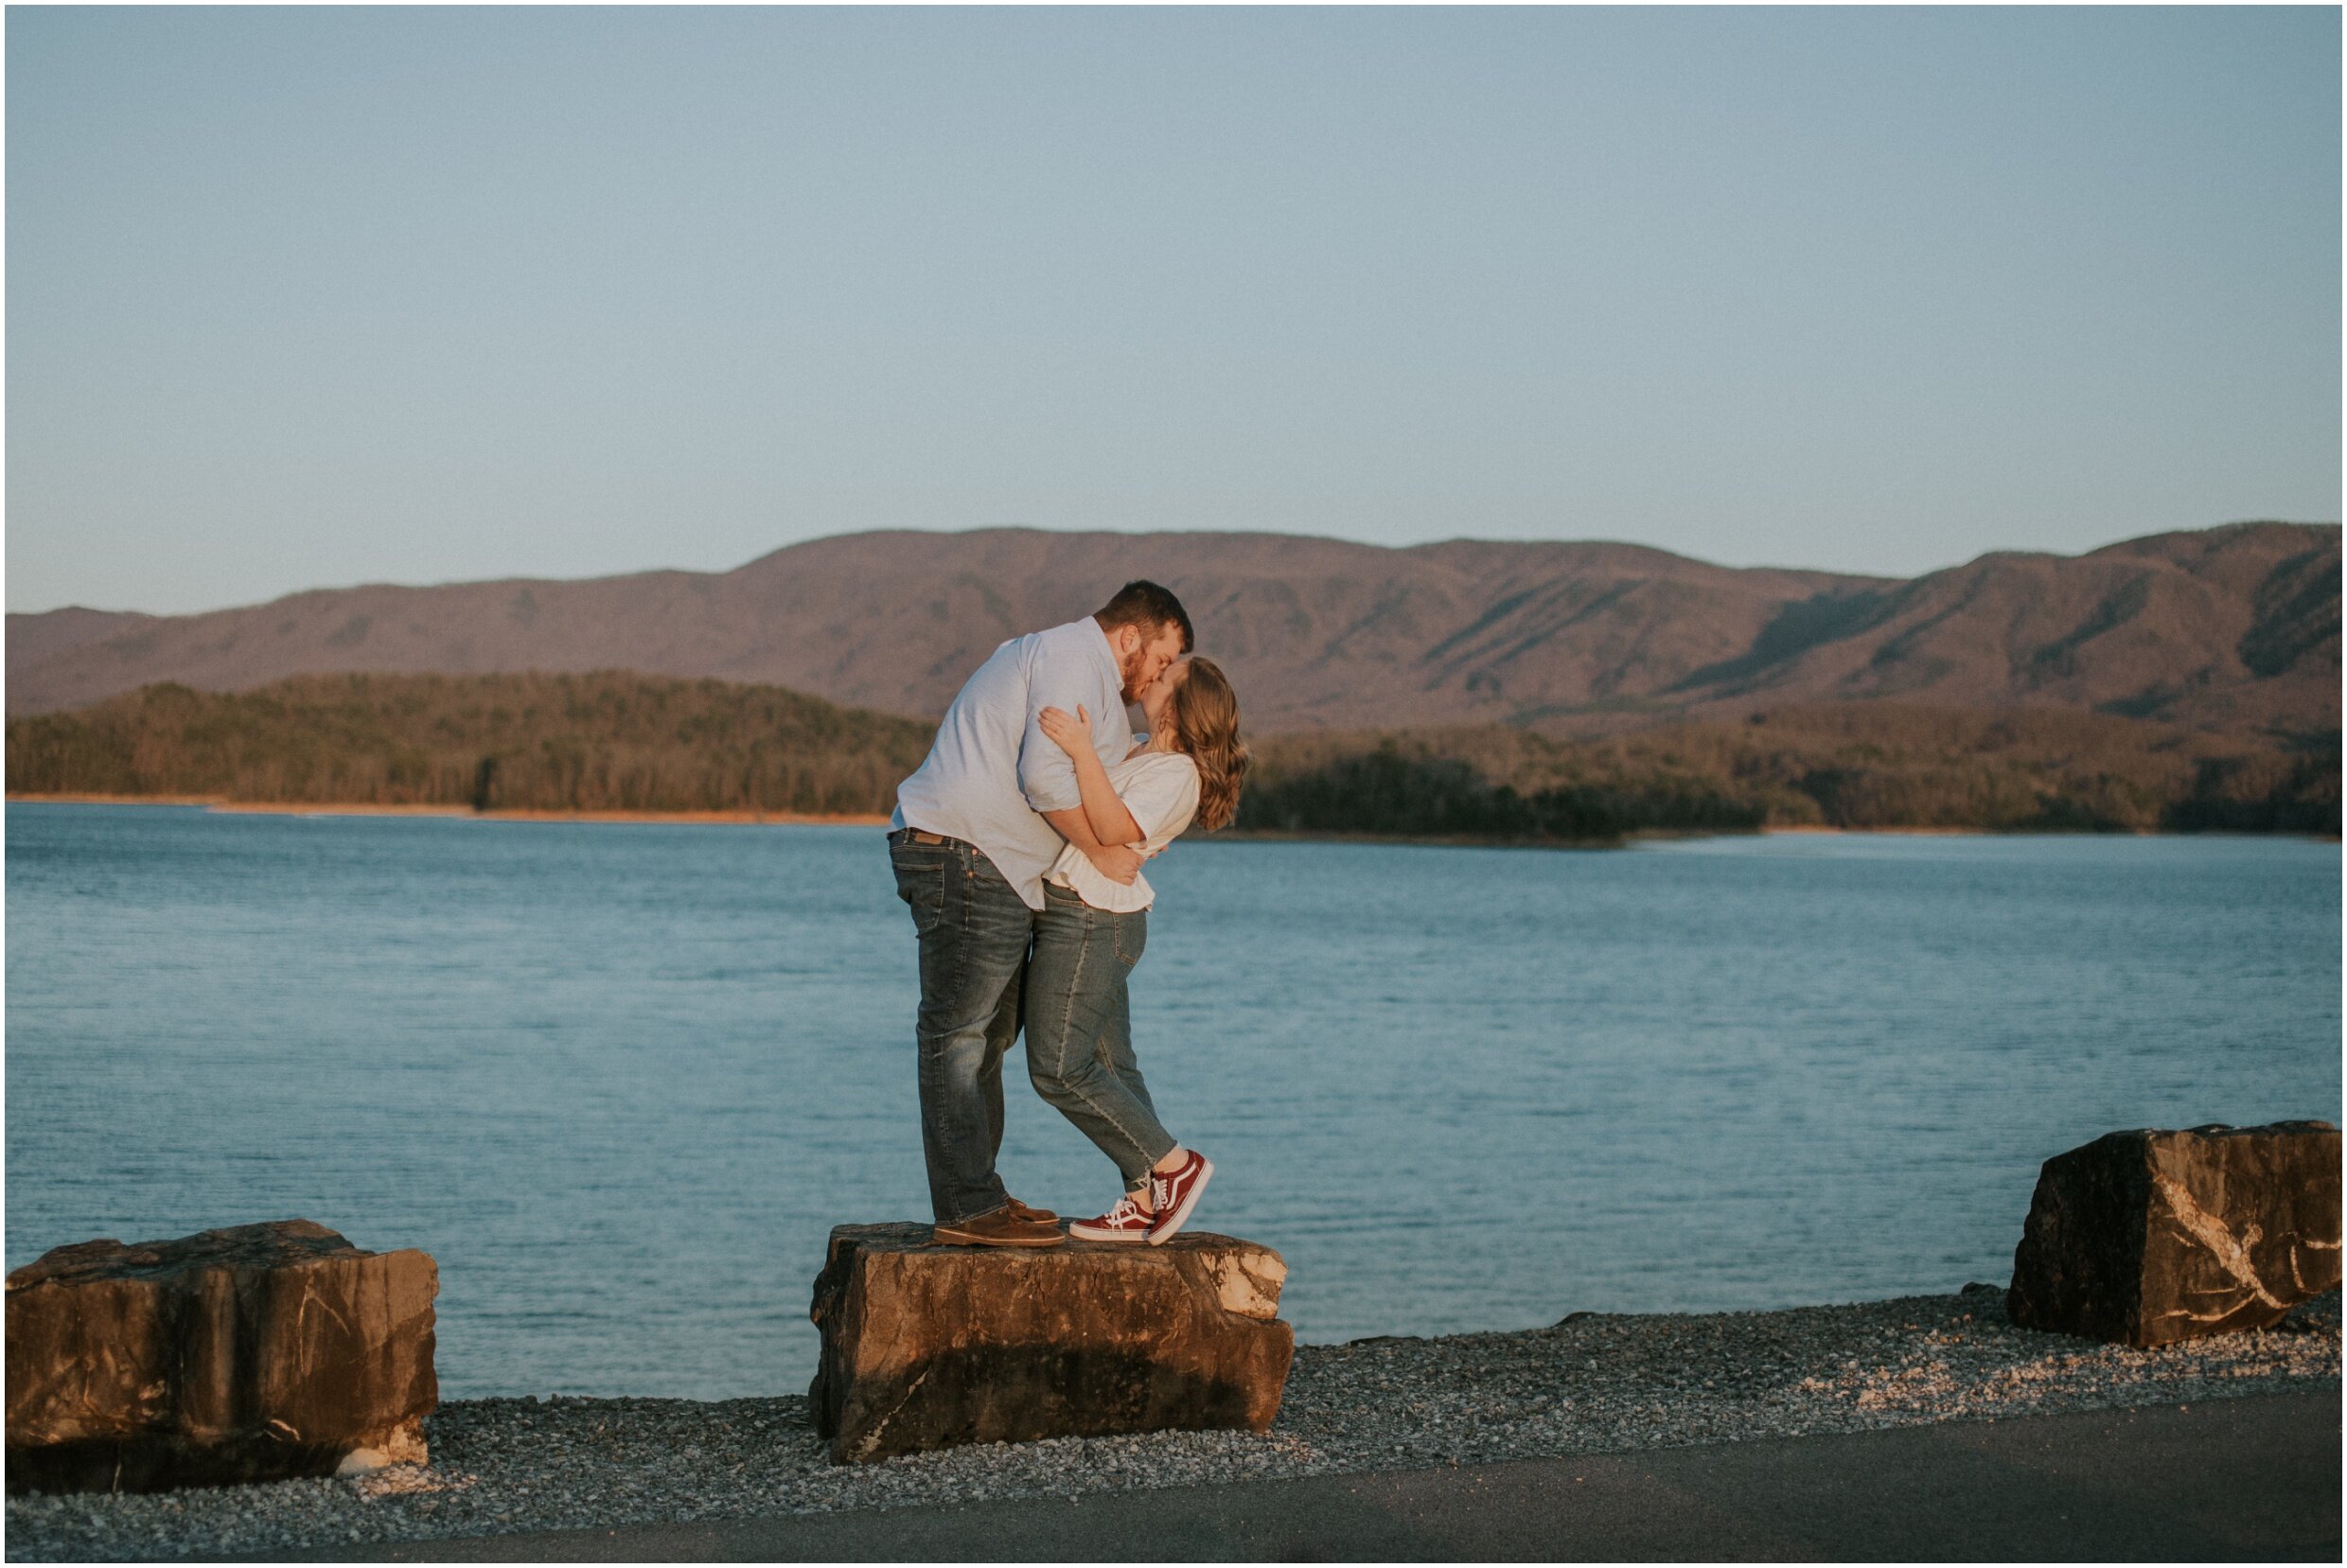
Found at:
[363, 808]
[1635, 836]
[785, 819]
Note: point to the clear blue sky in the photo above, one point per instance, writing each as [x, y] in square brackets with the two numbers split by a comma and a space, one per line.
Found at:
[305, 298]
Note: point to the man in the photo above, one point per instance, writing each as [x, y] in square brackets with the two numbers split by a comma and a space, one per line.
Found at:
[974, 831]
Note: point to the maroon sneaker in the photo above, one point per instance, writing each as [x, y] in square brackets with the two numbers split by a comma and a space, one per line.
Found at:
[1127, 1222]
[1178, 1194]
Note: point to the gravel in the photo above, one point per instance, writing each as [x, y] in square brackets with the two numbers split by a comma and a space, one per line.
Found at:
[1595, 1383]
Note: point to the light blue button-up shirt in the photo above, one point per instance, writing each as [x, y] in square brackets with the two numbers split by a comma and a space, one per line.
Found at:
[993, 769]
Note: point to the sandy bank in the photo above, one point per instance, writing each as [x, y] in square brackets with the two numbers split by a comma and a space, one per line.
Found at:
[365, 809]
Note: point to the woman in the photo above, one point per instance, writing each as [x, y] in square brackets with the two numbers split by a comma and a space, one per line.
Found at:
[1080, 1055]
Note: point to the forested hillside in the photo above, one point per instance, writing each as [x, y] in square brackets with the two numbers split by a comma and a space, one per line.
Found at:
[2234, 629]
[605, 741]
[1844, 765]
[616, 741]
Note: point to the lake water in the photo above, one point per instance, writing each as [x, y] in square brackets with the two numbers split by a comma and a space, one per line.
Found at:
[621, 1079]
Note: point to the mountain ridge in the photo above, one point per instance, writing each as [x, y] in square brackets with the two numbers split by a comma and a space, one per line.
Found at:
[2235, 626]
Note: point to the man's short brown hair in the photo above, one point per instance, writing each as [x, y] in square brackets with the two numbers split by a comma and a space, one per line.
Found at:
[1145, 605]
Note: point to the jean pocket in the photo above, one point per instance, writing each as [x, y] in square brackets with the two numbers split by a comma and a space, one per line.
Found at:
[1132, 934]
[921, 883]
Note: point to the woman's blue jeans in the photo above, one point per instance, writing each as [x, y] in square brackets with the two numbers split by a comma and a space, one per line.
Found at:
[1080, 1029]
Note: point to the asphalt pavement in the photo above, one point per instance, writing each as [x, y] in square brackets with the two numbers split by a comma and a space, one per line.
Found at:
[2249, 1479]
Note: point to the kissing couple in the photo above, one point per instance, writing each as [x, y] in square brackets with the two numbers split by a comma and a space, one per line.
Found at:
[1018, 846]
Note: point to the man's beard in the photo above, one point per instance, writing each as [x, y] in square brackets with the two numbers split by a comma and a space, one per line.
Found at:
[1130, 669]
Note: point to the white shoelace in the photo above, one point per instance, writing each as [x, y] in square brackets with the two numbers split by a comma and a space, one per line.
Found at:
[1126, 1209]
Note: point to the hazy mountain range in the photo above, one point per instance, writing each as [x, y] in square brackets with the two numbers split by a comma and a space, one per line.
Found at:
[2234, 627]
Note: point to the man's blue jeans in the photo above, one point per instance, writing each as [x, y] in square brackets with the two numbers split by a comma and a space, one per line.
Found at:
[973, 930]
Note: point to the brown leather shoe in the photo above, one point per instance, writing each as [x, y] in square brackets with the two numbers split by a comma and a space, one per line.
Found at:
[1000, 1228]
[1029, 1211]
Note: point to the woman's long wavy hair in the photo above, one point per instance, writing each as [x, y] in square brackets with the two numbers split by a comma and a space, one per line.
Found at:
[1205, 724]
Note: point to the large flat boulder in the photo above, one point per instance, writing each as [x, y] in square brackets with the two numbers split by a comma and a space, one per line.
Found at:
[2148, 1237]
[926, 1346]
[254, 1353]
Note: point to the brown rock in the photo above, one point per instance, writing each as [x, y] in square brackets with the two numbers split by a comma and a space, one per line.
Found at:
[254, 1353]
[2144, 1238]
[928, 1346]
